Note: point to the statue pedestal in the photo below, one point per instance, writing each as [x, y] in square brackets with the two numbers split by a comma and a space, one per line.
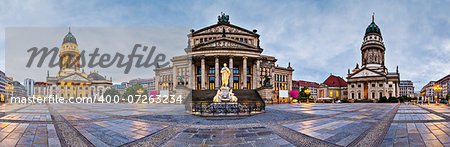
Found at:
[267, 94]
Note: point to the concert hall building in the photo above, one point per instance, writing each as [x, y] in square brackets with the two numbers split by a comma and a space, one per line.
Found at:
[207, 51]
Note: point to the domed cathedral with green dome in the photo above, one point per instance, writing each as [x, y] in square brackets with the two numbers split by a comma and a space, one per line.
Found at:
[372, 80]
[71, 80]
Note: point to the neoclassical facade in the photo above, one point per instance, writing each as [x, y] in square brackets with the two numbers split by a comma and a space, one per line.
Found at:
[71, 81]
[210, 48]
[372, 80]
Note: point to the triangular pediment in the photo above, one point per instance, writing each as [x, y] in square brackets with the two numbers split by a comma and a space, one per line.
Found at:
[365, 73]
[74, 77]
[219, 28]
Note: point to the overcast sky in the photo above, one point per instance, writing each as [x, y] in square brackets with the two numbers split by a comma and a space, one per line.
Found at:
[317, 37]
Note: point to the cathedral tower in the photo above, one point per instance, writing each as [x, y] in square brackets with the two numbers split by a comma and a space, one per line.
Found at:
[372, 48]
[69, 56]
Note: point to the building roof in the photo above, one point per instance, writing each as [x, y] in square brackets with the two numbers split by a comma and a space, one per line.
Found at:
[443, 79]
[40, 83]
[335, 81]
[69, 38]
[373, 28]
[308, 83]
[95, 76]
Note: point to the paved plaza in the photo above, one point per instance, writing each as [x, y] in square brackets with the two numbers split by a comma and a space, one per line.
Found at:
[350, 124]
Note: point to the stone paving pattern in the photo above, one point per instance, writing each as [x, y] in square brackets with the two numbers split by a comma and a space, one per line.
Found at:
[251, 136]
[168, 125]
[420, 130]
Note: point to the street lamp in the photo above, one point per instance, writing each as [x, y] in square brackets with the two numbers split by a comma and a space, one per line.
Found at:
[140, 91]
[307, 92]
[438, 89]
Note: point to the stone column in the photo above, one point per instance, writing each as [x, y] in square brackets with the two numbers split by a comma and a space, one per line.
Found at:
[244, 72]
[203, 73]
[216, 73]
[254, 75]
[258, 73]
[174, 77]
[189, 71]
[231, 72]
[193, 77]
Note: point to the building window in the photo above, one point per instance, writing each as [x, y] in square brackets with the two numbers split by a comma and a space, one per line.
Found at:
[359, 85]
[373, 94]
[337, 93]
[381, 85]
[373, 85]
[249, 71]
[201, 40]
[353, 86]
[390, 85]
[245, 40]
[236, 82]
[199, 83]
[236, 70]
[249, 81]
[211, 82]
[211, 69]
[331, 93]
[199, 70]
[353, 95]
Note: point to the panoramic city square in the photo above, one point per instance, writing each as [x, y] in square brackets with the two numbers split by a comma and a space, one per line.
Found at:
[356, 124]
[224, 73]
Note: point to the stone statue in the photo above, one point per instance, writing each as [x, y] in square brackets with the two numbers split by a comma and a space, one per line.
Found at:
[225, 75]
[223, 17]
[266, 81]
[218, 97]
[232, 97]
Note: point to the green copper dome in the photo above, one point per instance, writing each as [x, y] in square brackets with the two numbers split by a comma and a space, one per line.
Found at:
[373, 28]
[69, 38]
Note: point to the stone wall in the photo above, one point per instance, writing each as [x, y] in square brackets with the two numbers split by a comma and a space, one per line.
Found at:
[266, 93]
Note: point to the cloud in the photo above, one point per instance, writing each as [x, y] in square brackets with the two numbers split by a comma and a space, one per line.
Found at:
[317, 37]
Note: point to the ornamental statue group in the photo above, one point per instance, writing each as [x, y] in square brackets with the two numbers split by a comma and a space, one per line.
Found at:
[224, 94]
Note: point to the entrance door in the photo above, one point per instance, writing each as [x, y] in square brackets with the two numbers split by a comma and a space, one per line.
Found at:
[366, 90]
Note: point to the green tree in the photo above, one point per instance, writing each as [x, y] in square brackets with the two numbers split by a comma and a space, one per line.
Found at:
[133, 91]
[111, 92]
[302, 95]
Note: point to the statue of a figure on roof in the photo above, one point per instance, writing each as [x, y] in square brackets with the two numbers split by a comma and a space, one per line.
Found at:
[223, 17]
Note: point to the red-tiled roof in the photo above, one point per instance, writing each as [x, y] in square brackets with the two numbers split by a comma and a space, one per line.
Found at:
[305, 83]
[40, 83]
[335, 81]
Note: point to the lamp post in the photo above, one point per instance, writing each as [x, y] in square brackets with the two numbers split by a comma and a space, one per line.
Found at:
[140, 91]
[307, 92]
[438, 89]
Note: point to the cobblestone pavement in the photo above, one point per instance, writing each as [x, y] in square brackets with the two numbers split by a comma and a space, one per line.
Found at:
[356, 124]
[416, 126]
